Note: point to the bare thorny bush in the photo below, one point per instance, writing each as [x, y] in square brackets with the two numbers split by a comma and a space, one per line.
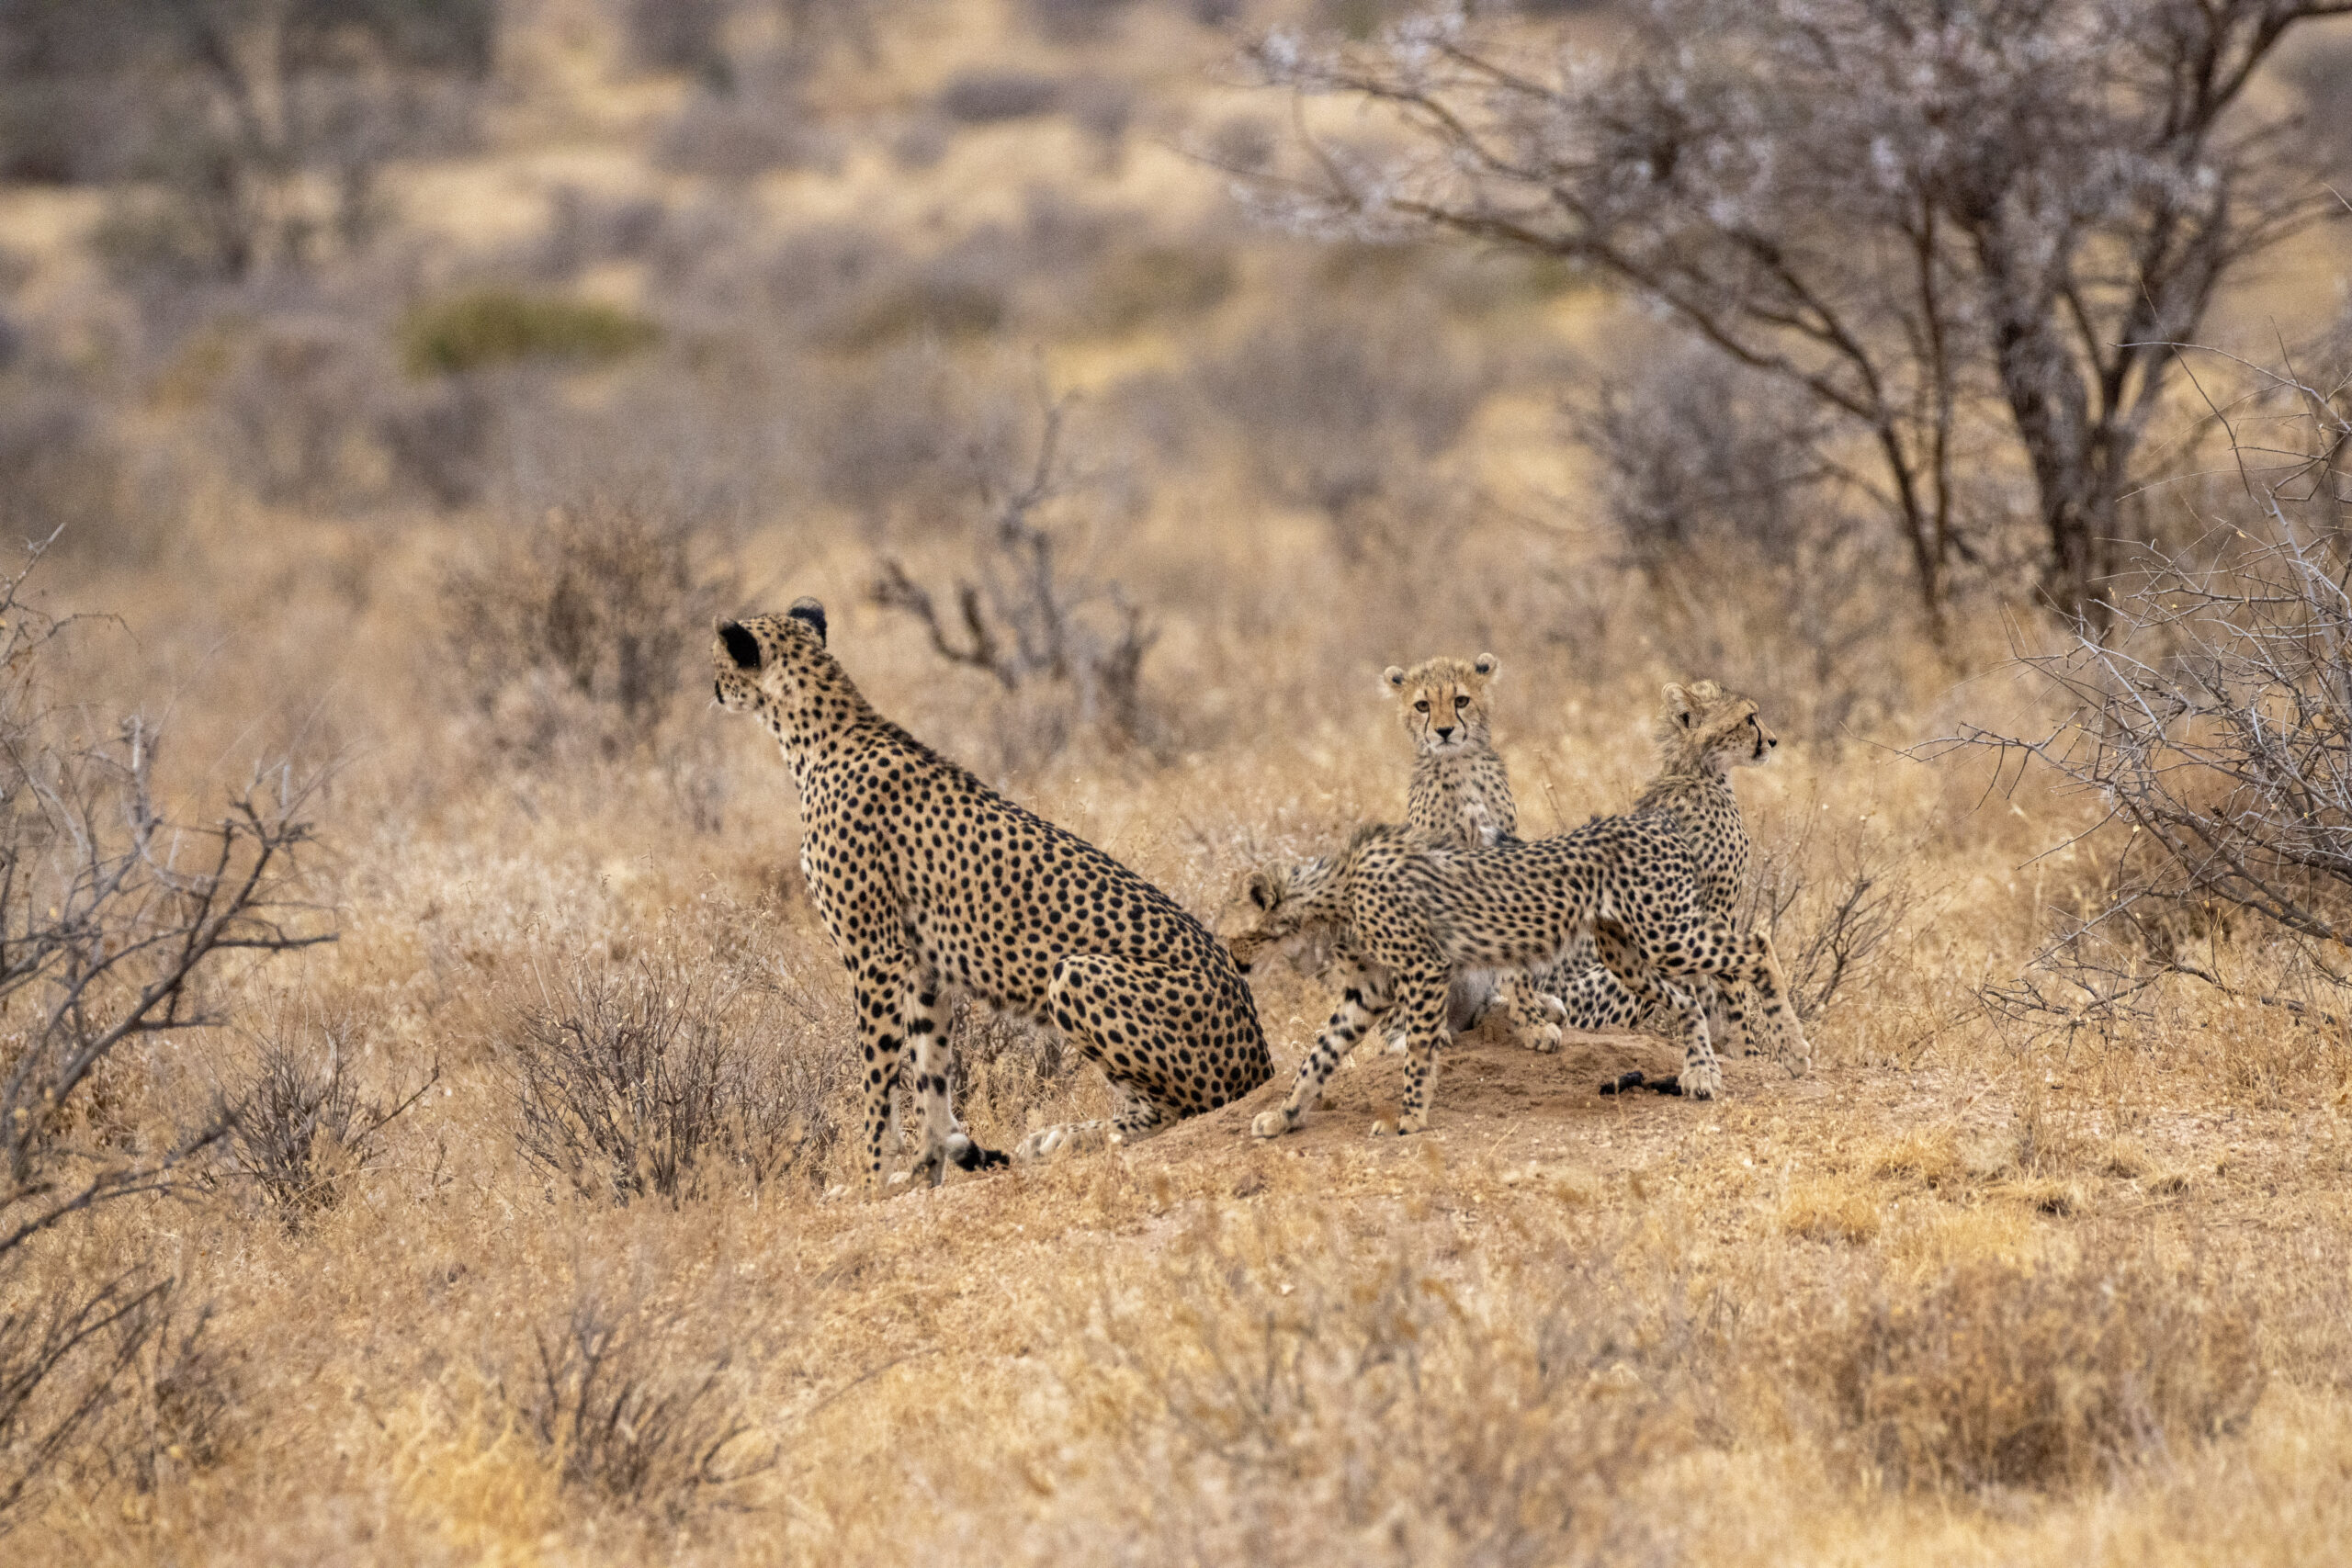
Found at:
[572, 635]
[1022, 616]
[114, 916]
[656, 1079]
[600, 1399]
[303, 1132]
[2211, 717]
[1830, 898]
[1750, 538]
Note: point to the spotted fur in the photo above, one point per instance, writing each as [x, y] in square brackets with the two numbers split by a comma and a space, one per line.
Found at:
[931, 883]
[1423, 916]
[1703, 732]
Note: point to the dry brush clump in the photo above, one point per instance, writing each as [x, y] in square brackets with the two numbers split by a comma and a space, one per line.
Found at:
[2204, 714]
[1288, 1389]
[301, 1130]
[119, 922]
[575, 635]
[659, 1078]
[2003, 1375]
[617, 1415]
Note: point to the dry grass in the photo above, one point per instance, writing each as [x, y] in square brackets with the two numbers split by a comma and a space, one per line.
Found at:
[1958, 1297]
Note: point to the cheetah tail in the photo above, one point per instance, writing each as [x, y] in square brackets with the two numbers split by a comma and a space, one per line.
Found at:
[972, 1157]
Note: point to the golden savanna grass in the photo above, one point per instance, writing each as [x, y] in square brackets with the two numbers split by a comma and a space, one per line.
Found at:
[1960, 1296]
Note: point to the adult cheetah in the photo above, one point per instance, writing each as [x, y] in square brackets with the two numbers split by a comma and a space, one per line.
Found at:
[928, 881]
[1423, 915]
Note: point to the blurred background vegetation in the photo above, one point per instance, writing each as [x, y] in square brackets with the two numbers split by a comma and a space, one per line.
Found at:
[407, 384]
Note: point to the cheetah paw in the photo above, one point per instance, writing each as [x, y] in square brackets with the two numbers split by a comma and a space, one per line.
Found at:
[1041, 1144]
[1384, 1128]
[1270, 1124]
[1546, 1040]
[1701, 1081]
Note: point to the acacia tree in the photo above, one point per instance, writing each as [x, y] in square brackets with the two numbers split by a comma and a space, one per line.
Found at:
[1959, 226]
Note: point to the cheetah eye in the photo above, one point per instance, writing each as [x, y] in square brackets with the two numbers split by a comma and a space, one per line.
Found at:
[1462, 701]
[1421, 707]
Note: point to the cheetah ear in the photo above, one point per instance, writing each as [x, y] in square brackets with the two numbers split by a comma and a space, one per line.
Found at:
[1261, 889]
[742, 646]
[1678, 704]
[1394, 676]
[811, 613]
[1486, 664]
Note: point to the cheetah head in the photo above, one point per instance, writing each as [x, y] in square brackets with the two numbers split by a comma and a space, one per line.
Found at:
[1271, 912]
[1444, 701]
[776, 666]
[1703, 728]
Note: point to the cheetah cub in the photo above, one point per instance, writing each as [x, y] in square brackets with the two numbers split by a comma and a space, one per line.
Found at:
[1703, 732]
[1460, 798]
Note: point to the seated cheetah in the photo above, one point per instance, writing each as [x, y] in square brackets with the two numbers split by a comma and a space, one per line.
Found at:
[1703, 732]
[926, 879]
[1460, 795]
[1422, 916]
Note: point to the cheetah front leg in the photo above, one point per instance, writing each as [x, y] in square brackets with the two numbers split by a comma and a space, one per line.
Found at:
[1535, 1017]
[1671, 1008]
[925, 1014]
[1763, 978]
[1362, 1006]
[875, 991]
[1422, 995]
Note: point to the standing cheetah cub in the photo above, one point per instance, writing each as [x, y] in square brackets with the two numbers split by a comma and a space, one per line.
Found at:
[926, 879]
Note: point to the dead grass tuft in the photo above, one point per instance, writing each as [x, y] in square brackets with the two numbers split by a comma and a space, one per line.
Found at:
[1997, 1375]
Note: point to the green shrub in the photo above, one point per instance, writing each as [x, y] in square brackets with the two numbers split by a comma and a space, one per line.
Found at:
[496, 326]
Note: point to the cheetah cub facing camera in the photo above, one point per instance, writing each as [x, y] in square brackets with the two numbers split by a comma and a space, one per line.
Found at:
[928, 883]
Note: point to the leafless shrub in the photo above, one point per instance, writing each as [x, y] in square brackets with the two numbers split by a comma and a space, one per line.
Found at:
[584, 230]
[2206, 713]
[112, 919]
[260, 131]
[301, 1131]
[2002, 1376]
[1959, 296]
[180, 1416]
[293, 412]
[1022, 617]
[1829, 905]
[439, 435]
[578, 628]
[1102, 109]
[650, 1080]
[59, 468]
[761, 121]
[603, 1403]
[677, 35]
[1075, 21]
